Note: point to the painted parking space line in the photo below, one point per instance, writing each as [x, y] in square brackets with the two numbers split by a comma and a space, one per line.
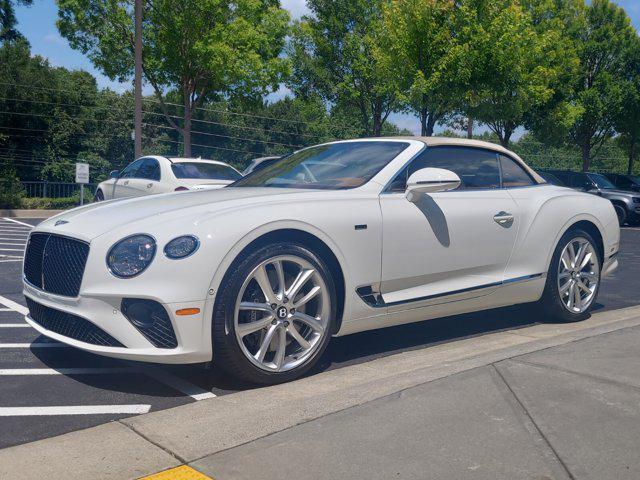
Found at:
[4, 309]
[5, 260]
[13, 220]
[73, 410]
[16, 307]
[11, 249]
[15, 325]
[12, 244]
[34, 345]
[178, 383]
[66, 371]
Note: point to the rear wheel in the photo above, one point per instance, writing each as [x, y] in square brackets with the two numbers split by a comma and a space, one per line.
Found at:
[274, 315]
[573, 279]
[621, 213]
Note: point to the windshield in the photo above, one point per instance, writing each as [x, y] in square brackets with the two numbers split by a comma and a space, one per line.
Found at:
[601, 181]
[333, 167]
[205, 171]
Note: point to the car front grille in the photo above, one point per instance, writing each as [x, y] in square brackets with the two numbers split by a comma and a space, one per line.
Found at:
[55, 264]
[70, 325]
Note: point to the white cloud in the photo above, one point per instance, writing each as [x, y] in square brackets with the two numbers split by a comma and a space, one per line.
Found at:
[54, 39]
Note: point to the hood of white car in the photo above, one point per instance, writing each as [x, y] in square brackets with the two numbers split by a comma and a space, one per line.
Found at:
[93, 220]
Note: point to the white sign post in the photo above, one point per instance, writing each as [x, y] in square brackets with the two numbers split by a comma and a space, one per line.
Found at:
[82, 177]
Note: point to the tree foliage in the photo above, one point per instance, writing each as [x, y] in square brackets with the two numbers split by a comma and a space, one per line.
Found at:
[332, 53]
[8, 31]
[202, 49]
[423, 55]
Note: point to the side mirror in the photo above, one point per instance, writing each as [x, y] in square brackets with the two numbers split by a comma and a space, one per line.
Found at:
[590, 187]
[114, 174]
[430, 180]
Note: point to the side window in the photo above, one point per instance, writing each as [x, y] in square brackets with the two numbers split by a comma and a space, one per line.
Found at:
[513, 175]
[150, 170]
[131, 170]
[477, 168]
[622, 182]
[578, 180]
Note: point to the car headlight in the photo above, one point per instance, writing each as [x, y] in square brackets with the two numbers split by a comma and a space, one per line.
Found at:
[131, 256]
[636, 199]
[181, 247]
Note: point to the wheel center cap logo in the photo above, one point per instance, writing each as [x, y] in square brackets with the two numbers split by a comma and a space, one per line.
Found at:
[282, 312]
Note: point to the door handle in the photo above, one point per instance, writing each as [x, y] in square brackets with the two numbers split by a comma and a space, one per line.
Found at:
[149, 185]
[503, 219]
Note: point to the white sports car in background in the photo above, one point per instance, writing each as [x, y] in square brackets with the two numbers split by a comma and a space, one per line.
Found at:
[331, 240]
[156, 174]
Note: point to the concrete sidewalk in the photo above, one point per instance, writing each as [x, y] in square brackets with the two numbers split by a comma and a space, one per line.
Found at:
[565, 412]
[546, 401]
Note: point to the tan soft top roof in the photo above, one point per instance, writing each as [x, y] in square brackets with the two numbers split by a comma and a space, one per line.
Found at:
[467, 142]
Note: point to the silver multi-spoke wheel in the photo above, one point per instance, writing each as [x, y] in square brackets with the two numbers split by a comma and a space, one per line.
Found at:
[578, 275]
[282, 313]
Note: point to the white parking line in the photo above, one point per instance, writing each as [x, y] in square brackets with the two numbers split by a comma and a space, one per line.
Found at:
[16, 244]
[17, 221]
[72, 410]
[65, 371]
[12, 249]
[34, 345]
[16, 307]
[15, 325]
[16, 259]
[5, 310]
[178, 384]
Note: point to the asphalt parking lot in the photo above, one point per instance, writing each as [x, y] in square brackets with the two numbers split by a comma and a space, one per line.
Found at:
[49, 389]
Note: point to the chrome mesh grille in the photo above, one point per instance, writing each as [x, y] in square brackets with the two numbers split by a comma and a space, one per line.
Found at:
[55, 264]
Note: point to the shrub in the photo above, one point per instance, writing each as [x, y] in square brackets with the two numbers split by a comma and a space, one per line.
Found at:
[11, 191]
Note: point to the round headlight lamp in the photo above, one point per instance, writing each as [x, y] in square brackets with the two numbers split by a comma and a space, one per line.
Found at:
[181, 247]
[131, 256]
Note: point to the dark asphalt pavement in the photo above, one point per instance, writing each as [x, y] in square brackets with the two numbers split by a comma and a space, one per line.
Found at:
[31, 373]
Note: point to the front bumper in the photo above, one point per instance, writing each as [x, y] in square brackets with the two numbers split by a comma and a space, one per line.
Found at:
[194, 344]
[610, 265]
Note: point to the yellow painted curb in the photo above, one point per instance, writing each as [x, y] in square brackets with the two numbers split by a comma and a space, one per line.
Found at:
[179, 473]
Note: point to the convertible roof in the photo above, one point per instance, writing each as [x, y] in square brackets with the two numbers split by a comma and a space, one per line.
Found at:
[438, 141]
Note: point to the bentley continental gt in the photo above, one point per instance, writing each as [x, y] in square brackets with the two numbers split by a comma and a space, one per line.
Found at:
[333, 239]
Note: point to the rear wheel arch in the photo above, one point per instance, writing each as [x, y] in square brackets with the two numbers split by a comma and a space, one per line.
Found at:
[593, 230]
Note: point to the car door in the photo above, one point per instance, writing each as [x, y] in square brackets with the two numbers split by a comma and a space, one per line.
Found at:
[146, 180]
[123, 187]
[454, 243]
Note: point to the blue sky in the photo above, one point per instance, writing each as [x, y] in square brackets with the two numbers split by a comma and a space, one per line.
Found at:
[38, 24]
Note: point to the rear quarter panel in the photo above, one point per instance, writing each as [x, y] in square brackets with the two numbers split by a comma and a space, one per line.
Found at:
[545, 213]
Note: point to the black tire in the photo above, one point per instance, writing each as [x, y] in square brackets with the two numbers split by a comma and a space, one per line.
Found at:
[621, 213]
[550, 304]
[99, 197]
[227, 354]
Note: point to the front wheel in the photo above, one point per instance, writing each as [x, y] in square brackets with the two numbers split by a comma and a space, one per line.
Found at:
[573, 279]
[621, 213]
[274, 315]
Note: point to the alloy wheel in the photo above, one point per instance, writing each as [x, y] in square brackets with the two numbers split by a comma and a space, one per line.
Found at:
[578, 275]
[282, 313]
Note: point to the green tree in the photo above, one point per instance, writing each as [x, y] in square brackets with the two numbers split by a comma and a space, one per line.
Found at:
[598, 94]
[8, 19]
[628, 122]
[513, 65]
[202, 49]
[332, 53]
[421, 49]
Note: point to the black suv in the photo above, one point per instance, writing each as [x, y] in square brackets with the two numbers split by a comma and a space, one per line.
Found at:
[627, 204]
[625, 182]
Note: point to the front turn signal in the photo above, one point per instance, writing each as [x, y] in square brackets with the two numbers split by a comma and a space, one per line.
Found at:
[188, 311]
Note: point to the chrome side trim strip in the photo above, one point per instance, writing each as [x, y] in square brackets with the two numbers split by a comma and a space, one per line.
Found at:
[375, 300]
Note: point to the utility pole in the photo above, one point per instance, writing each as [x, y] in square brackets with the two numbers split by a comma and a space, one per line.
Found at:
[137, 88]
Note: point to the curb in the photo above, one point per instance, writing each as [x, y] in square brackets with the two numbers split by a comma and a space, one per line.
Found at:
[165, 439]
[33, 213]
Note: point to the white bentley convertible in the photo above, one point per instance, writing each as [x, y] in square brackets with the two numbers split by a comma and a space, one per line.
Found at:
[331, 240]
